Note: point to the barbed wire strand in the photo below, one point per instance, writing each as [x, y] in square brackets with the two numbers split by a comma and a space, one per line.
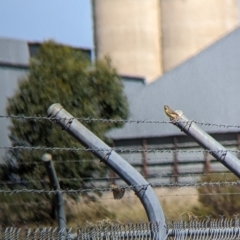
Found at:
[150, 160]
[181, 195]
[131, 187]
[161, 175]
[133, 160]
[159, 196]
[117, 149]
[103, 120]
[156, 176]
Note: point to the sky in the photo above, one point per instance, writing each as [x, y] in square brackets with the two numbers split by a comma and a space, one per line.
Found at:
[65, 21]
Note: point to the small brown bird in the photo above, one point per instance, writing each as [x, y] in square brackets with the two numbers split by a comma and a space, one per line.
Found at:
[170, 113]
[118, 192]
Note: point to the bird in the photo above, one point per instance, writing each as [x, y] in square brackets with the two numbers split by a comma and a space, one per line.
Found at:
[170, 113]
[118, 192]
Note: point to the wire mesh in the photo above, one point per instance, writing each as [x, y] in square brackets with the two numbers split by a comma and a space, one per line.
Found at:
[221, 228]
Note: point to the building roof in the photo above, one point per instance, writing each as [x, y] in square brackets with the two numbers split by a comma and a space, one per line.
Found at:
[14, 51]
[206, 88]
[132, 85]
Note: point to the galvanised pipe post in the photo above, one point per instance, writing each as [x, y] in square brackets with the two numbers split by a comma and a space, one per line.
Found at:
[47, 159]
[130, 175]
[207, 142]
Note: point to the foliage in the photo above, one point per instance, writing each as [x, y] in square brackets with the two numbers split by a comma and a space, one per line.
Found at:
[60, 74]
[218, 200]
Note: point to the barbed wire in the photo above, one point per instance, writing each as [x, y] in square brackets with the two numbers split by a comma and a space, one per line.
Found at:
[181, 195]
[104, 120]
[106, 178]
[131, 187]
[199, 194]
[116, 149]
[150, 160]
[97, 160]
[160, 196]
[163, 174]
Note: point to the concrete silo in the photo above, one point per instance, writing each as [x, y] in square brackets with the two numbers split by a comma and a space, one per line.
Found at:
[129, 32]
[188, 26]
[148, 37]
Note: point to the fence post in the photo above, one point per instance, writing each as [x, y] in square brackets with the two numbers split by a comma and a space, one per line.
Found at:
[175, 160]
[47, 159]
[207, 142]
[238, 144]
[112, 174]
[108, 156]
[144, 158]
[206, 163]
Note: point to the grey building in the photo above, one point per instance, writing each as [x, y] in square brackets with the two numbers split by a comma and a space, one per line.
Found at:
[14, 57]
[206, 88]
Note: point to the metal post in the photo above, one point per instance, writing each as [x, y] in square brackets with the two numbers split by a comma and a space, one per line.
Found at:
[112, 174]
[144, 158]
[47, 158]
[207, 163]
[238, 144]
[209, 143]
[108, 156]
[175, 161]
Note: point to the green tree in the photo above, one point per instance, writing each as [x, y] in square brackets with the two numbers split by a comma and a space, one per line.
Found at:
[60, 74]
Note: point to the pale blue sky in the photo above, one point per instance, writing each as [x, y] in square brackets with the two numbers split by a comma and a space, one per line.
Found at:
[65, 21]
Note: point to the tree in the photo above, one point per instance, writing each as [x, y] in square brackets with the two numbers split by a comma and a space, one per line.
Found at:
[61, 74]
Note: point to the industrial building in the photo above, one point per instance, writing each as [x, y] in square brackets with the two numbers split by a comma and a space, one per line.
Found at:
[206, 88]
[147, 38]
[185, 54]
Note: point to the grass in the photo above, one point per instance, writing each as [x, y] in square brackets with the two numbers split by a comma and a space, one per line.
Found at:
[177, 203]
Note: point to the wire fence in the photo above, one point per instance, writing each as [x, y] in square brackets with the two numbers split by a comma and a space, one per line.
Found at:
[207, 228]
[103, 120]
[131, 187]
[116, 149]
[155, 184]
[179, 230]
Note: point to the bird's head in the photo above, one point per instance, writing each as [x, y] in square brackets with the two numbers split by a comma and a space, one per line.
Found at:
[166, 107]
